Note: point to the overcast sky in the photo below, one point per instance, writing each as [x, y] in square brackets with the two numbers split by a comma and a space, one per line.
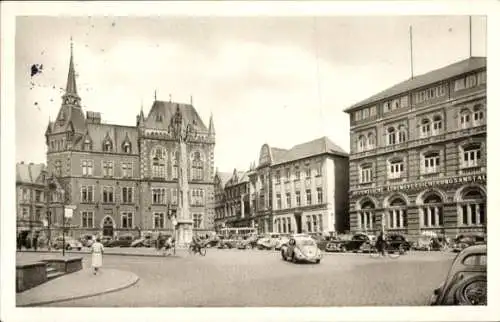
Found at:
[280, 81]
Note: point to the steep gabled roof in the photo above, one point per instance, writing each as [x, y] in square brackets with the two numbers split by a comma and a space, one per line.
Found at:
[161, 113]
[278, 154]
[224, 177]
[311, 148]
[29, 173]
[426, 79]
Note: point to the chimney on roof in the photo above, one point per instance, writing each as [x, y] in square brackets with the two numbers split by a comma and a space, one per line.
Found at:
[94, 117]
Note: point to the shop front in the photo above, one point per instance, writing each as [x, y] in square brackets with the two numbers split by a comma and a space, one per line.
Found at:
[447, 207]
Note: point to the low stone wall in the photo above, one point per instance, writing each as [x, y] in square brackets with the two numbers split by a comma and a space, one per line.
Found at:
[29, 275]
[65, 265]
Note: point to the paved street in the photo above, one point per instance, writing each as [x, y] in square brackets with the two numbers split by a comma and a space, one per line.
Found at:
[261, 278]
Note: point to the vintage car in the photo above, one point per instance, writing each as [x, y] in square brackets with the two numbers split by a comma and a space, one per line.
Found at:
[249, 242]
[268, 242]
[465, 283]
[397, 242]
[321, 241]
[463, 241]
[282, 240]
[430, 243]
[301, 248]
[213, 241]
[106, 240]
[121, 241]
[69, 243]
[359, 242]
[87, 240]
[337, 243]
[145, 241]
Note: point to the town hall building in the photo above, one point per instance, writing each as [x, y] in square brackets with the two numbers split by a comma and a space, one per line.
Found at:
[122, 179]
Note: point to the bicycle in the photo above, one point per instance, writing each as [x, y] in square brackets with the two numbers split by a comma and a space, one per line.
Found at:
[392, 253]
[200, 249]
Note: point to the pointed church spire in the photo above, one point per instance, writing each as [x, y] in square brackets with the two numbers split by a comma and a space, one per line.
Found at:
[211, 129]
[71, 83]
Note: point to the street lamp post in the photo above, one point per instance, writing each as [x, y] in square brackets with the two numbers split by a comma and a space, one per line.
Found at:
[67, 214]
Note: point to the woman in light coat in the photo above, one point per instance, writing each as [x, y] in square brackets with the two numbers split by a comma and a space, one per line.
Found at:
[97, 250]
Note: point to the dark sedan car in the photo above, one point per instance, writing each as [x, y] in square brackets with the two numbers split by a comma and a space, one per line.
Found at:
[350, 243]
[465, 283]
[321, 241]
[397, 242]
[465, 240]
[122, 241]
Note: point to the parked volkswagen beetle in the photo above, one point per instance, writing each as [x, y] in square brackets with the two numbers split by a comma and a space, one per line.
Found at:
[465, 283]
[301, 248]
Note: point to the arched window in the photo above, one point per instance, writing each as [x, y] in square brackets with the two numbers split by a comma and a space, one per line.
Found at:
[391, 136]
[315, 223]
[437, 124]
[361, 143]
[158, 158]
[472, 209]
[371, 141]
[401, 134]
[478, 115]
[425, 128]
[366, 216]
[396, 215]
[196, 166]
[431, 213]
[289, 222]
[465, 119]
[283, 222]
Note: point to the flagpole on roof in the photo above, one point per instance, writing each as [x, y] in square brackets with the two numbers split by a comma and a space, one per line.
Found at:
[470, 36]
[411, 52]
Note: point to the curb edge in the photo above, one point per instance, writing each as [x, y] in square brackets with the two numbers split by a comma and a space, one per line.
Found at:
[79, 297]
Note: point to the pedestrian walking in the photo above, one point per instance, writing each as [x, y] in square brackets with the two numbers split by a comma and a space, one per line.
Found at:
[35, 241]
[97, 250]
[380, 244]
[18, 242]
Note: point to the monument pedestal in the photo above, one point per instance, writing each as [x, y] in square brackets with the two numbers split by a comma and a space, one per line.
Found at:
[184, 232]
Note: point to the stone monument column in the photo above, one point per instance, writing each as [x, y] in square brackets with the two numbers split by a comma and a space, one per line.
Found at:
[182, 132]
[184, 220]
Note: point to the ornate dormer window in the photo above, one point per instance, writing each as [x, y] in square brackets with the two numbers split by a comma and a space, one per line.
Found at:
[87, 144]
[107, 145]
[127, 146]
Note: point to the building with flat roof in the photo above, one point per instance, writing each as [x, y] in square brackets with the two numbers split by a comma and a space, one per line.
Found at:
[418, 154]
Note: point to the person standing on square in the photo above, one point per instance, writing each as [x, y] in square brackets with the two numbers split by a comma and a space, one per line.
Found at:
[97, 250]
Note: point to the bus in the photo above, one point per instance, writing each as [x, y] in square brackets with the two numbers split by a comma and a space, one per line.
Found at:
[228, 233]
